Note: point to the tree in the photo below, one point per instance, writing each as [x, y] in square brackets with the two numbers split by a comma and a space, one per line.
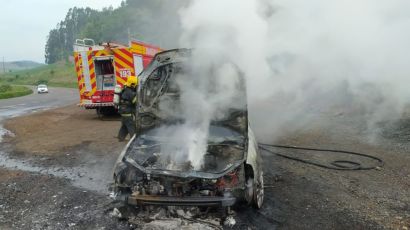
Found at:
[61, 39]
[154, 21]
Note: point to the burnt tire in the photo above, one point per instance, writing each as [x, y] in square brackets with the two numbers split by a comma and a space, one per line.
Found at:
[258, 192]
[249, 190]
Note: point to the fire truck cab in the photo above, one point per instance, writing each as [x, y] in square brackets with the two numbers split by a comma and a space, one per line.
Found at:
[101, 67]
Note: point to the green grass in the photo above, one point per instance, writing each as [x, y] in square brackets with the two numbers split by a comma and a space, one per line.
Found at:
[9, 91]
[61, 74]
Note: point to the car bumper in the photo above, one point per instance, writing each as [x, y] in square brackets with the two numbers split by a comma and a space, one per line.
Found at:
[207, 201]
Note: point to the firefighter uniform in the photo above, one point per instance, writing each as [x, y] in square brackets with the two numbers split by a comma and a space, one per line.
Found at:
[127, 108]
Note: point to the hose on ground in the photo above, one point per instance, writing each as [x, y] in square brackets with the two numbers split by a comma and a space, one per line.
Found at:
[334, 165]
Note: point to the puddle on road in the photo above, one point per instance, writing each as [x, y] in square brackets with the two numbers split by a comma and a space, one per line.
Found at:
[81, 177]
[4, 132]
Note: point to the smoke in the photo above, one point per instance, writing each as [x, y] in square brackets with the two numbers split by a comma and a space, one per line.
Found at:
[301, 58]
[208, 90]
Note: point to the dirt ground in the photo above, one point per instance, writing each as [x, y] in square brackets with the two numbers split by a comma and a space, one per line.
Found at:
[63, 128]
[55, 150]
[297, 196]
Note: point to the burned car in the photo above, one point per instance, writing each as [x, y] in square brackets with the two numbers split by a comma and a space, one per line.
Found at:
[177, 160]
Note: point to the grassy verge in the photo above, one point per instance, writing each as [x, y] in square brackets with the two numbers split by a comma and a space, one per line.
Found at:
[61, 74]
[9, 91]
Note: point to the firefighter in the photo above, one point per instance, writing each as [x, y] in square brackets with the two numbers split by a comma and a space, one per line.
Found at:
[127, 108]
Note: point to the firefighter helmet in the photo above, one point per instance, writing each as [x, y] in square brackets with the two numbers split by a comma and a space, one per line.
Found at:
[132, 81]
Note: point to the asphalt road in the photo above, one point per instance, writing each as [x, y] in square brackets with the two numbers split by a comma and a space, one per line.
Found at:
[21, 105]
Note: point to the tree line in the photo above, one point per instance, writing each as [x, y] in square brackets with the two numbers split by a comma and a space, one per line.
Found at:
[152, 21]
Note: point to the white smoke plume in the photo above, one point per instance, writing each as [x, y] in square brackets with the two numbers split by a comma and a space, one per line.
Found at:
[299, 56]
[208, 89]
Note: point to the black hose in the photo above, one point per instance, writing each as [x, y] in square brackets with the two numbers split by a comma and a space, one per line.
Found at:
[335, 165]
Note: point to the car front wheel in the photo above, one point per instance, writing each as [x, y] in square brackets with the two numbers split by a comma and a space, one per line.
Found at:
[249, 190]
[258, 193]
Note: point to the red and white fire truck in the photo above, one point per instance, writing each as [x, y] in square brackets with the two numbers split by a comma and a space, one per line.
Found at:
[101, 67]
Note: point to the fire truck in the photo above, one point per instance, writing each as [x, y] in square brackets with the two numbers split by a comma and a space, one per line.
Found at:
[101, 67]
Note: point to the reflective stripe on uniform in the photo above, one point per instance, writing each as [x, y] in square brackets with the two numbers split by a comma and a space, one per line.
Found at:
[126, 114]
[134, 100]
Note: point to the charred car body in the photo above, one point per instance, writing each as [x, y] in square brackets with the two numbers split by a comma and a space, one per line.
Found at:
[146, 172]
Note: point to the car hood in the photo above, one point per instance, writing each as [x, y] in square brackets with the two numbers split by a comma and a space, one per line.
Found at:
[154, 153]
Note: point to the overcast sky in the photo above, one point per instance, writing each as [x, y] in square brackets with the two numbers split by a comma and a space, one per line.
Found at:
[24, 24]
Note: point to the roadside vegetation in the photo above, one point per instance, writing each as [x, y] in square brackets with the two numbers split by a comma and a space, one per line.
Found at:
[132, 19]
[9, 91]
[61, 74]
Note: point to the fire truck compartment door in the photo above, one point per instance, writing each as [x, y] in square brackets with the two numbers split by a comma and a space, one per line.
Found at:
[138, 64]
[86, 71]
[104, 71]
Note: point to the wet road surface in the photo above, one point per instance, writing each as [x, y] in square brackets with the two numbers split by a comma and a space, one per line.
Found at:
[20, 105]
